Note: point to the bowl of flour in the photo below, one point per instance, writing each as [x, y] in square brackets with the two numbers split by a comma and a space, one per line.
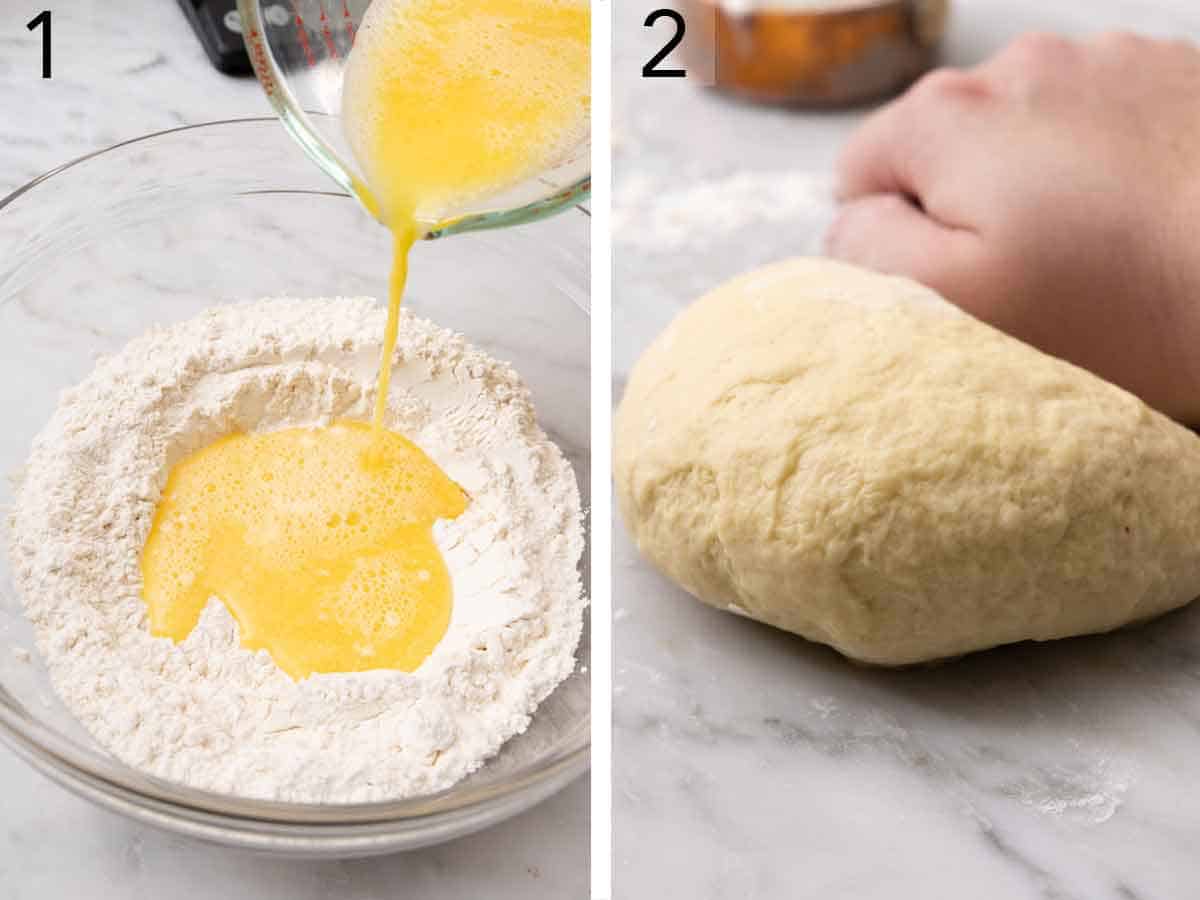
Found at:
[194, 284]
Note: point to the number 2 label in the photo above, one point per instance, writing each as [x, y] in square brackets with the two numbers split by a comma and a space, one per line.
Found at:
[650, 69]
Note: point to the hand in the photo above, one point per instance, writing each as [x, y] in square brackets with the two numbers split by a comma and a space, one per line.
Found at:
[1053, 191]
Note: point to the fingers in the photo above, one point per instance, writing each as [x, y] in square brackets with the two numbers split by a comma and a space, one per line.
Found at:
[907, 147]
[879, 159]
[1125, 43]
[887, 233]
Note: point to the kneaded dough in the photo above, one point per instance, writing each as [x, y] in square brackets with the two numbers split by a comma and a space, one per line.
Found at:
[847, 456]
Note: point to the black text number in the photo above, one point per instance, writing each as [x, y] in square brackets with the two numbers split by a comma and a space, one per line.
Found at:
[42, 21]
[650, 69]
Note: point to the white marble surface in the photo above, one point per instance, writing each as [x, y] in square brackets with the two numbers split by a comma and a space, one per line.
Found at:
[751, 764]
[124, 68]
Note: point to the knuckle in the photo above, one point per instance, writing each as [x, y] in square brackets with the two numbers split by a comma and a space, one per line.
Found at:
[1039, 47]
[1120, 41]
[1043, 43]
[941, 84]
[1181, 47]
[833, 242]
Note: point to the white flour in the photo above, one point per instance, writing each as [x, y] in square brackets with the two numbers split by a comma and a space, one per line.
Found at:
[215, 716]
[651, 213]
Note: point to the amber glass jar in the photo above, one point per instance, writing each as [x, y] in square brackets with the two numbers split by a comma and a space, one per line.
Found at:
[814, 52]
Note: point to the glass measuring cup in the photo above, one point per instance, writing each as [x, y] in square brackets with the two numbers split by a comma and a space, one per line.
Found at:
[299, 50]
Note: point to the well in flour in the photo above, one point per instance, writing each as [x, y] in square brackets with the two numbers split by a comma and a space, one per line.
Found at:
[207, 712]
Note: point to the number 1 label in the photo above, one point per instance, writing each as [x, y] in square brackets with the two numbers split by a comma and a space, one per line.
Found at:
[42, 21]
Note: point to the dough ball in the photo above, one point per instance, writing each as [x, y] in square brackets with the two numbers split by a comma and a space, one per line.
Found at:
[847, 456]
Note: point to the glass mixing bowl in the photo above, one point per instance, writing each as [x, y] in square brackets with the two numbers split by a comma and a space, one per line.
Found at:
[156, 229]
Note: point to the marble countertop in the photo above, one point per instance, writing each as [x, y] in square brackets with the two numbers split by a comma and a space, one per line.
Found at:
[123, 68]
[751, 764]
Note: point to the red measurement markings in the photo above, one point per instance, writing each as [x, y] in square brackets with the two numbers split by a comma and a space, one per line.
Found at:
[349, 22]
[326, 32]
[258, 56]
[303, 33]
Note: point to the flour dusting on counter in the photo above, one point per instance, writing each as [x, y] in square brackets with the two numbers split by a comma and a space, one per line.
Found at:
[730, 207]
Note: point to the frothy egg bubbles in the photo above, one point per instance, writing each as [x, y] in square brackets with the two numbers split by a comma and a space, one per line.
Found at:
[319, 541]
